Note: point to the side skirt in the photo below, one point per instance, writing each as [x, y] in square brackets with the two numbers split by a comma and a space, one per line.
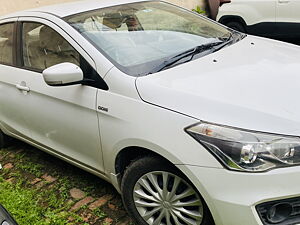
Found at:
[55, 153]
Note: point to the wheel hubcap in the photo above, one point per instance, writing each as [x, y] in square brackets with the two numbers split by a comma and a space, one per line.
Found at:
[162, 198]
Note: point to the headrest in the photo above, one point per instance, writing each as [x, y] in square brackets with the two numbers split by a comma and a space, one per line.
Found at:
[113, 20]
[50, 39]
[6, 31]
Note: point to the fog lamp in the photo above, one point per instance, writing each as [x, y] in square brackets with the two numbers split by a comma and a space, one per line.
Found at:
[279, 212]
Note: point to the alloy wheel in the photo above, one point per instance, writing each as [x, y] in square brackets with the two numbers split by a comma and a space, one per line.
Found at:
[163, 198]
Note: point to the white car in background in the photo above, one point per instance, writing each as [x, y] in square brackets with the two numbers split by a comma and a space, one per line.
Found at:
[272, 18]
[193, 123]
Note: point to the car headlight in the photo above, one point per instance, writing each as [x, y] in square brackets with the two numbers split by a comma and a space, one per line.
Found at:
[245, 150]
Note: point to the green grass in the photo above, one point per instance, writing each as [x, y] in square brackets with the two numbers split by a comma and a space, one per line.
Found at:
[27, 206]
[33, 168]
[98, 212]
[33, 206]
[50, 203]
[23, 204]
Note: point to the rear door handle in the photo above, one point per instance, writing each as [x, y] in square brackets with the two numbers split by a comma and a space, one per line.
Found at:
[22, 87]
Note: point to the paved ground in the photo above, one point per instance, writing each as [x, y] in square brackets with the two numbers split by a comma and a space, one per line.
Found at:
[79, 197]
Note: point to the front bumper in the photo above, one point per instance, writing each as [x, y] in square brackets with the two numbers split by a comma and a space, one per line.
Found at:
[233, 196]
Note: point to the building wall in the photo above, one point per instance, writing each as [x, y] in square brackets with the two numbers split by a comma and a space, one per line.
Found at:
[9, 6]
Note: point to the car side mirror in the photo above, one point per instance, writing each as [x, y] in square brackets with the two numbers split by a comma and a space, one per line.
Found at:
[63, 74]
[5, 217]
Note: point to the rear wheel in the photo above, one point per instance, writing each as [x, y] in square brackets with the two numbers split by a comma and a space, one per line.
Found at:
[236, 26]
[154, 192]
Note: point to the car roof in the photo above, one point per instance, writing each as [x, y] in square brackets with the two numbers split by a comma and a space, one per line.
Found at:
[67, 9]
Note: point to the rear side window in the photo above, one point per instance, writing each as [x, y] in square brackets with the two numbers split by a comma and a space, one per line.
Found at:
[6, 43]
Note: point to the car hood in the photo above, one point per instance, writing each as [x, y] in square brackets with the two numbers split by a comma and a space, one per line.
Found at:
[253, 84]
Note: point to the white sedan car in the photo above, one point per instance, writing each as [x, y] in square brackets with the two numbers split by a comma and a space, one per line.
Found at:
[193, 124]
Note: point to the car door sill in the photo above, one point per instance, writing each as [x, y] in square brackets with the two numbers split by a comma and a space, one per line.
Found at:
[55, 153]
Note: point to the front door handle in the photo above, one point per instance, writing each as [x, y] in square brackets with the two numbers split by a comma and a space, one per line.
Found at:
[22, 86]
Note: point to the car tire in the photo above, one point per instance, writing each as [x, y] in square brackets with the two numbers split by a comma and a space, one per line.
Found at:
[236, 26]
[147, 202]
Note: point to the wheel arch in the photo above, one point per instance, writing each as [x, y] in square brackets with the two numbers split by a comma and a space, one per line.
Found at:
[124, 152]
[230, 18]
[131, 153]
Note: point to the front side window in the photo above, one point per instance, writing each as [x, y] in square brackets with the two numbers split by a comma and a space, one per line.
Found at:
[138, 37]
[6, 43]
[43, 47]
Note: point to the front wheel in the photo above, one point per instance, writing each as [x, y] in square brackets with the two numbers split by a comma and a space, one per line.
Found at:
[155, 193]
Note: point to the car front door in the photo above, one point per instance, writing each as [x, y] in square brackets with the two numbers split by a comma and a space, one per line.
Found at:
[63, 120]
[288, 17]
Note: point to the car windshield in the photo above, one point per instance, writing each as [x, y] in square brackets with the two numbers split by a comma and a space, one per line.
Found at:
[138, 37]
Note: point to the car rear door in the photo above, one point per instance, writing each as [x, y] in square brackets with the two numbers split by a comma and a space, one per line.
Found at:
[63, 120]
[12, 93]
[288, 17]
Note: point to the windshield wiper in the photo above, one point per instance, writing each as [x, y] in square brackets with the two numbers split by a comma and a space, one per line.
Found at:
[214, 46]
